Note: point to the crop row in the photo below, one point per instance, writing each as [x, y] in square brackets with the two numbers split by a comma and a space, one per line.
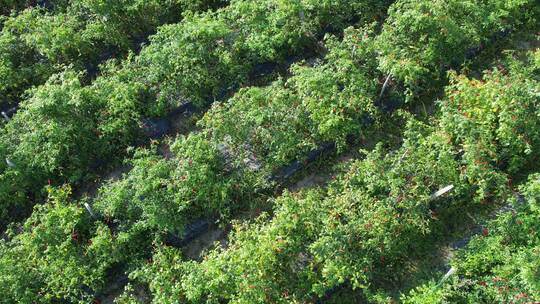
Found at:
[38, 42]
[500, 264]
[382, 212]
[64, 129]
[282, 123]
[209, 174]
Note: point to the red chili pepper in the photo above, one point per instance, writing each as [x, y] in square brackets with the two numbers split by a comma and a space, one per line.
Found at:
[485, 232]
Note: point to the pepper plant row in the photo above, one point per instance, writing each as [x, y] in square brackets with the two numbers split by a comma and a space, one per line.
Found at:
[369, 223]
[65, 129]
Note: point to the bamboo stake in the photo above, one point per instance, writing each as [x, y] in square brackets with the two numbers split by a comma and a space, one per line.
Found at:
[442, 191]
[10, 163]
[447, 275]
[89, 210]
[385, 85]
[6, 117]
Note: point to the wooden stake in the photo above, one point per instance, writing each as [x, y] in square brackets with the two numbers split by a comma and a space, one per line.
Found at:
[448, 274]
[89, 210]
[442, 191]
[10, 163]
[385, 85]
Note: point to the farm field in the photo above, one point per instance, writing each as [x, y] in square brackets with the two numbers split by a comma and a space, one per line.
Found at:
[270, 151]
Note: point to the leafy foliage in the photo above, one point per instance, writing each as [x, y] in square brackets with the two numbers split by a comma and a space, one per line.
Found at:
[59, 238]
[166, 194]
[196, 60]
[361, 230]
[497, 113]
[358, 232]
[37, 42]
[499, 267]
[421, 38]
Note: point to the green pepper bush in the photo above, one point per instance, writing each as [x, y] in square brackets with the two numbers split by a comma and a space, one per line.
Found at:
[500, 266]
[59, 251]
[37, 42]
[324, 103]
[357, 231]
[164, 195]
[201, 180]
[363, 228]
[198, 59]
[193, 183]
[421, 39]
